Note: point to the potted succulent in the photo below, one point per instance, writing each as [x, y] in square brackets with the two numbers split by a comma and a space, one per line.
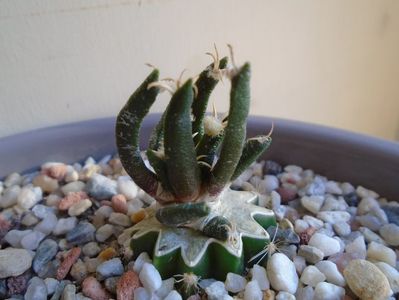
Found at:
[198, 225]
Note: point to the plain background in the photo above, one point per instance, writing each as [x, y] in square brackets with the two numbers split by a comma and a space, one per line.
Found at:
[328, 62]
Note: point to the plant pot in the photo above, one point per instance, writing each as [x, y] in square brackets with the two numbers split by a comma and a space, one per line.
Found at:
[338, 154]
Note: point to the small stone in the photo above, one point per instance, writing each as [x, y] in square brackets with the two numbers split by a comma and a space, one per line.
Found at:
[312, 276]
[79, 271]
[107, 253]
[140, 261]
[82, 233]
[51, 285]
[72, 175]
[300, 264]
[342, 228]
[391, 274]
[64, 225]
[59, 289]
[41, 211]
[332, 187]
[10, 196]
[47, 225]
[71, 199]
[91, 249]
[390, 233]
[371, 236]
[305, 293]
[259, 274]
[110, 284]
[13, 179]
[285, 296]
[358, 246]
[46, 183]
[366, 280]
[173, 295]
[312, 203]
[334, 216]
[119, 219]
[29, 197]
[328, 291]
[109, 268]
[36, 290]
[79, 208]
[301, 225]
[269, 295]
[49, 269]
[119, 203]
[235, 283]
[101, 187]
[14, 237]
[69, 259]
[150, 278]
[142, 294]
[382, 253]
[44, 253]
[16, 285]
[363, 192]
[104, 232]
[370, 221]
[271, 183]
[138, 216]
[351, 199]
[272, 168]
[73, 187]
[14, 262]
[313, 222]
[330, 271]
[126, 285]
[286, 194]
[55, 170]
[326, 244]
[216, 291]
[53, 200]
[93, 289]
[252, 291]
[311, 254]
[91, 264]
[69, 292]
[32, 240]
[127, 187]
[166, 287]
[282, 274]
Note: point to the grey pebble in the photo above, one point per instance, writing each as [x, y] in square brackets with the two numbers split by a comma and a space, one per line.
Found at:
[101, 187]
[69, 292]
[110, 284]
[109, 268]
[36, 290]
[311, 254]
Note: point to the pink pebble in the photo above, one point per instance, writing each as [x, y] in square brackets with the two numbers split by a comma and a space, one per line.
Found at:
[126, 285]
[57, 171]
[287, 195]
[92, 288]
[119, 203]
[71, 199]
[69, 259]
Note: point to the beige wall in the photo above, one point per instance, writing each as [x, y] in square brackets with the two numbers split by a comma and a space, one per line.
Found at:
[328, 62]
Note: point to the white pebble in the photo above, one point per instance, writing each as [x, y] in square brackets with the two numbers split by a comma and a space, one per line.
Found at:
[366, 205]
[216, 291]
[253, 291]
[127, 187]
[363, 192]
[51, 285]
[358, 247]
[64, 225]
[32, 240]
[334, 216]
[382, 253]
[104, 232]
[140, 261]
[173, 295]
[371, 236]
[14, 237]
[258, 273]
[332, 187]
[10, 196]
[285, 296]
[150, 278]
[304, 293]
[235, 283]
[14, 262]
[119, 219]
[47, 225]
[391, 274]
[166, 287]
[76, 186]
[271, 183]
[342, 228]
[104, 211]
[312, 203]
[328, 291]
[312, 276]
[331, 272]
[390, 233]
[29, 196]
[13, 179]
[79, 208]
[282, 273]
[142, 294]
[326, 244]
[313, 222]
[300, 264]
[300, 225]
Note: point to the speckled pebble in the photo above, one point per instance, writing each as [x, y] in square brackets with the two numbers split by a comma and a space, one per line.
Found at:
[112, 267]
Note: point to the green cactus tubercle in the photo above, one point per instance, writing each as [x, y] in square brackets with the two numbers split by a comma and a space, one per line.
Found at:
[198, 222]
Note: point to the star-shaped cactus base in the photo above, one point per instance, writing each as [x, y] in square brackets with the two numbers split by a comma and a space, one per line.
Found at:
[183, 250]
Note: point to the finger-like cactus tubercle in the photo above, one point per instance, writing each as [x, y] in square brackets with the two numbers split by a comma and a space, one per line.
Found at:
[127, 130]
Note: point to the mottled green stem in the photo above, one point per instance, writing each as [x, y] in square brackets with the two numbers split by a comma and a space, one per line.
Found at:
[253, 148]
[181, 214]
[159, 165]
[205, 85]
[182, 168]
[127, 130]
[208, 147]
[235, 131]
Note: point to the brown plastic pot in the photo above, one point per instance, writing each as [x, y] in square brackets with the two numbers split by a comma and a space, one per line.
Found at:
[337, 154]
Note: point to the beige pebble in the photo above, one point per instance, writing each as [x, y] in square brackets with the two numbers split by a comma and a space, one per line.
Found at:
[366, 280]
[46, 183]
[79, 208]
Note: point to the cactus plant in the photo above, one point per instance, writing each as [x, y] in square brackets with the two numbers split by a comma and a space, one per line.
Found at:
[198, 224]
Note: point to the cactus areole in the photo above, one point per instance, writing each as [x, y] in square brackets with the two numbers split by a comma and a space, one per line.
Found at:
[198, 225]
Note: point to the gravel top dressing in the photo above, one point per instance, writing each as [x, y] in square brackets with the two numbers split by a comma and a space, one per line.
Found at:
[60, 232]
